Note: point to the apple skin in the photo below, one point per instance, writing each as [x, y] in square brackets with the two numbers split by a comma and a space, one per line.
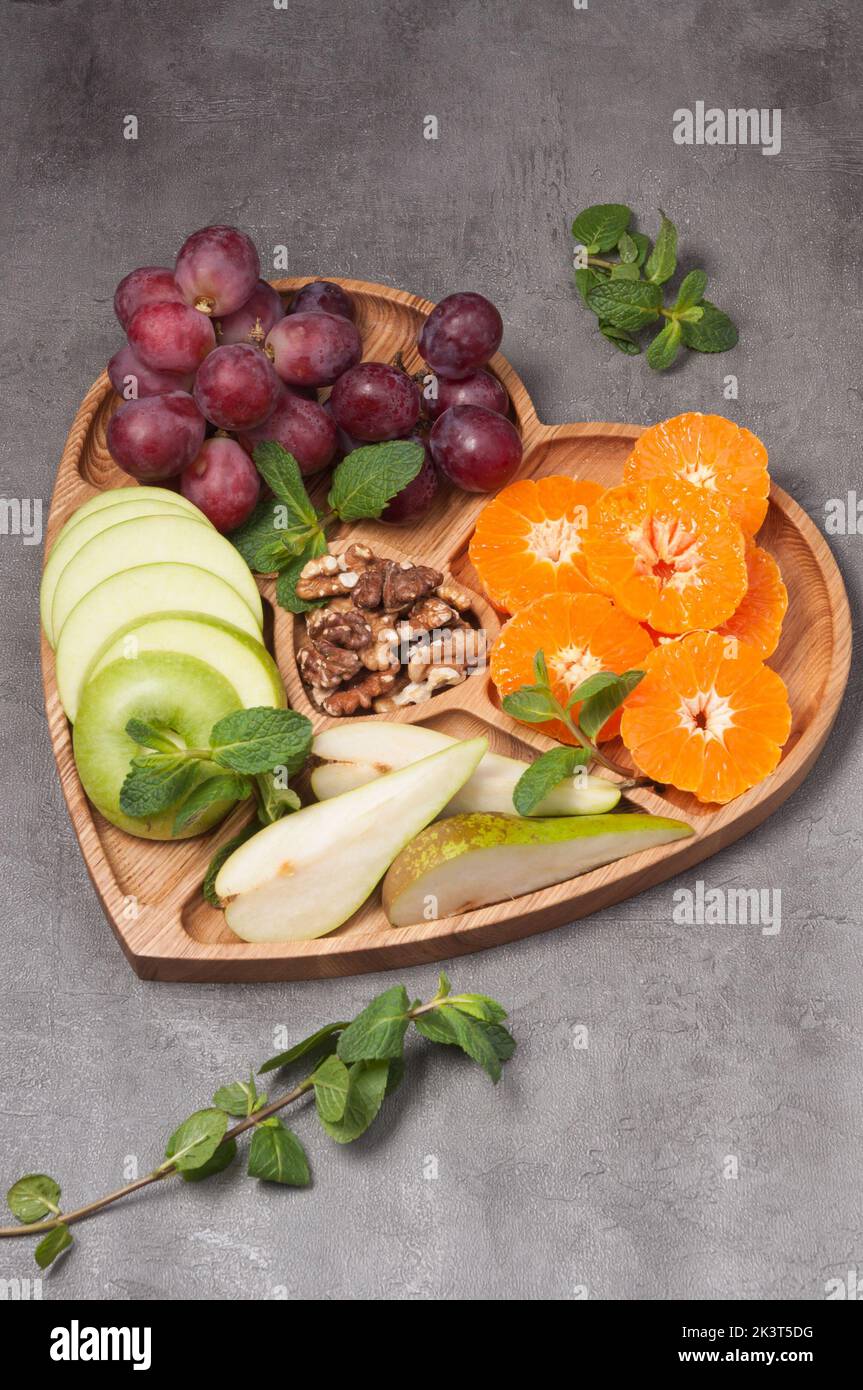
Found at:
[168, 689]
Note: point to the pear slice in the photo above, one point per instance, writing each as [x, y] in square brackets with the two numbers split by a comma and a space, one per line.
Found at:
[305, 875]
[357, 751]
[473, 860]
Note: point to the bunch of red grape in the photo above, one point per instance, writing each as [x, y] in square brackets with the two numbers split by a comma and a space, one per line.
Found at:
[213, 366]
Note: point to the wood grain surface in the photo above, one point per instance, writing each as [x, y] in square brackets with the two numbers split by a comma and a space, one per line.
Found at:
[150, 891]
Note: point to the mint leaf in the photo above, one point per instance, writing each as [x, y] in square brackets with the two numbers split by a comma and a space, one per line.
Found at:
[221, 1159]
[480, 1006]
[370, 477]
[622, 340]
[691, 291]
[379, 1030]
[662, 261]
[33, 1198]
[592, 686]
[259, 739]
[501, 1040]
[331, 1080]
[627, 249]
[626, 304]
[448, 1025]
[302, 1048]
[256, 537]
[195, 1141]
[532, 704]
[599, 228]
[208, 887]
[286, 584]
[282, 474]
[52, 1245]
[585, 279]
[540, 669]
[664, 348]
[642, 246]
[601, 706]
[240, 1098]
[276, 1155]
[714, 331]
[625, 271]
[367, 1083]
[155, 782]
[543, 775]
[222, 787]
[275, 801]
[147, 736]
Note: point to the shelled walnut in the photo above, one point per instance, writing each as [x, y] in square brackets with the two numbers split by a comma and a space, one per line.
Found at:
[392, 634]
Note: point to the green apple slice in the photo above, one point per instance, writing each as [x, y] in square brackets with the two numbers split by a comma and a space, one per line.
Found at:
[119, 496]
[306, 875]
[472, 861]
[357, 751]
[138, 593]
[148, 541]
[71, 541]
[241, 659]
[167, 690]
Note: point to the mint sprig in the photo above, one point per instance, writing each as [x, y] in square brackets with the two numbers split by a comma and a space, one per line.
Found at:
[350, 1087]
[285, 532]
[627, 295]
[598, 697]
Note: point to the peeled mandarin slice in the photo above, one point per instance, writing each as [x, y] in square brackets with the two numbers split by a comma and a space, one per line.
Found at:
[579, 634]
[709, 717]
[709, 452]
[668, 554]
[758, 619]
[527, 541]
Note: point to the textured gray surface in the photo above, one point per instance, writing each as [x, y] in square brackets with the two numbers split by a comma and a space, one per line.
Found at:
[598, 1167]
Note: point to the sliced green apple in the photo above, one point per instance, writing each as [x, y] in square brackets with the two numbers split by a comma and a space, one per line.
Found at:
[306, 875]
[138, 593]
[119, 496]
[472, 861]
[71, 541]
[357, 751]
[152, 540]
[167, 690]
[241, 659]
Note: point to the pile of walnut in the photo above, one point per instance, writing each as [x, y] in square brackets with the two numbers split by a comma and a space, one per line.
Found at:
[392, 634]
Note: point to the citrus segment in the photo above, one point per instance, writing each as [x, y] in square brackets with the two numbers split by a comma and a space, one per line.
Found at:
[668, 553]
[580, 634]
[708, 452]
[709, 717]
[758, 619]
[527, 541]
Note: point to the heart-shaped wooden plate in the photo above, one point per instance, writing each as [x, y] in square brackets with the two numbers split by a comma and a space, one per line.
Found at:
[151, 891]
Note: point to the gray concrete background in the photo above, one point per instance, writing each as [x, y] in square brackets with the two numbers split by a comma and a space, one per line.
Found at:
[599, 1168]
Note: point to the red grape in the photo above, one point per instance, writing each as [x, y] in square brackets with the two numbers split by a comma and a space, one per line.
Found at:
[131, 379]
[155, 437]
[314, 349]
[323, 297]
[461, 334]
[414, 500]
[236, 387]
[171, 337]
[263, 307]
[217, 269]
[476, 448]
[302, 427]
[223, 482]
[345, 443]
[374, 401]
[479, 389]
[151, 284]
